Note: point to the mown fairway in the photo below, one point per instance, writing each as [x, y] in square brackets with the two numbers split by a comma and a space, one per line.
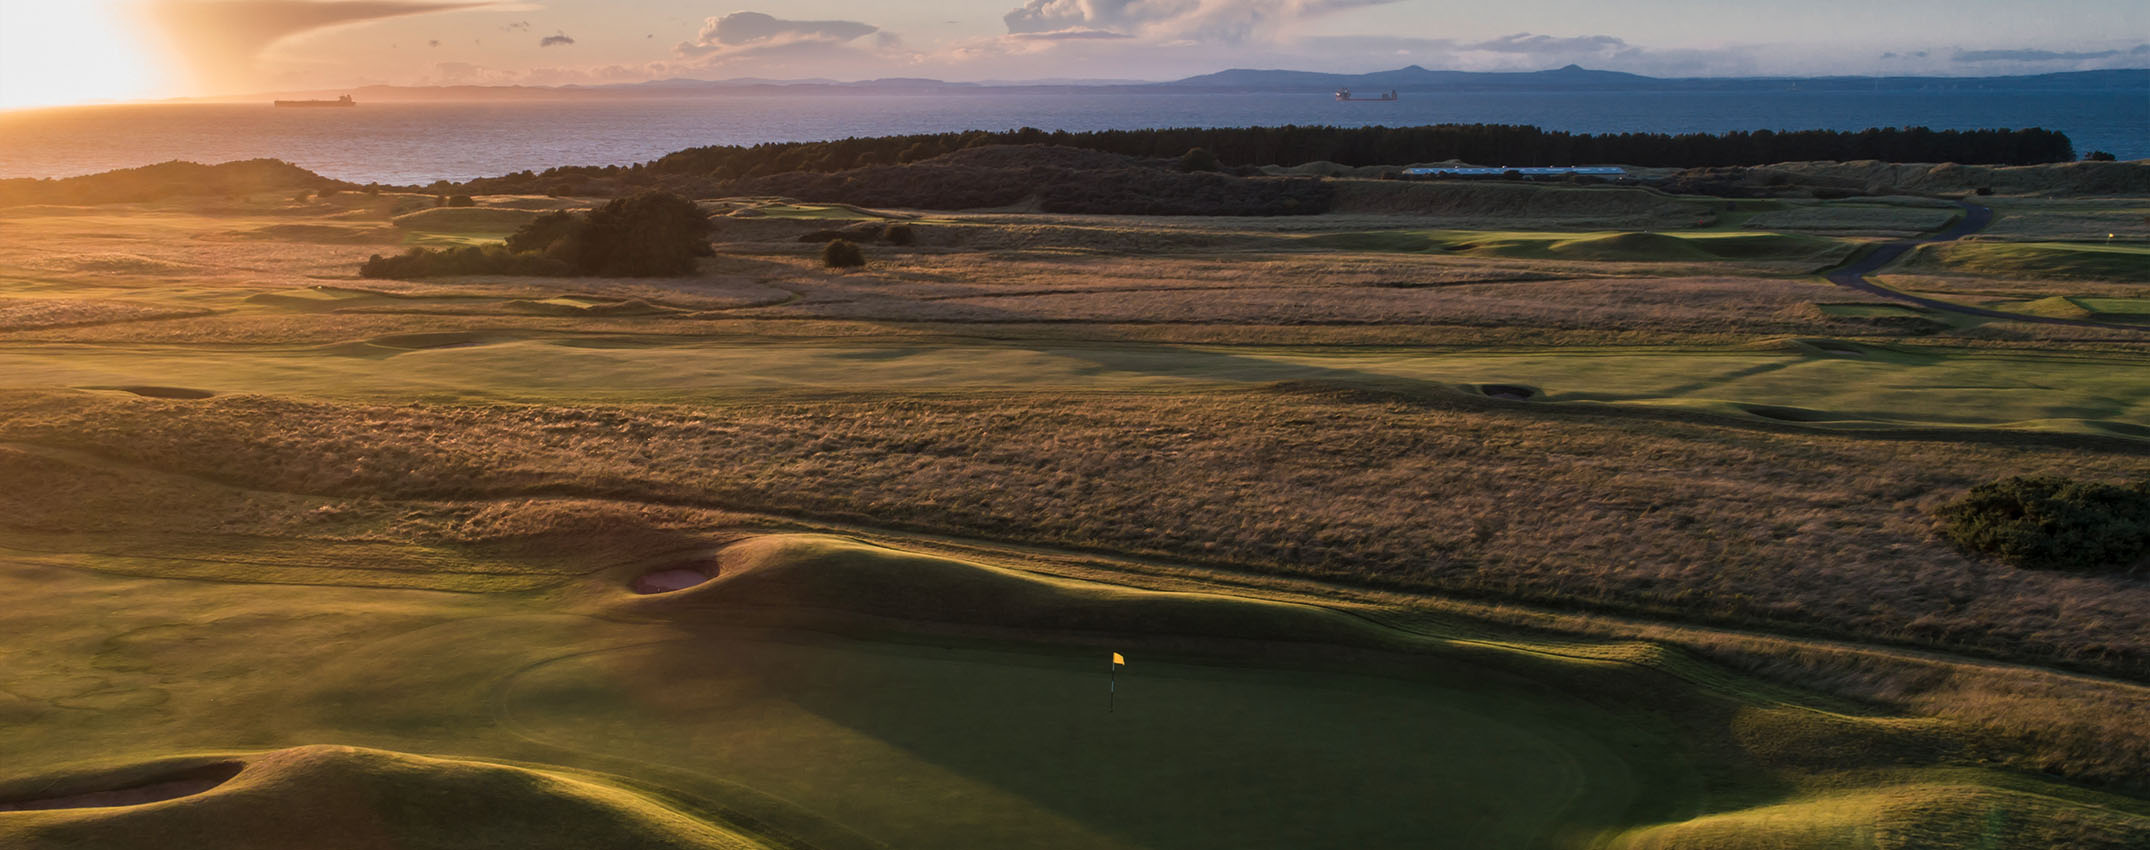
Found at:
[1825, 382]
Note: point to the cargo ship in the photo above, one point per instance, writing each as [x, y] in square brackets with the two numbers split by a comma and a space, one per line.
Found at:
[341, 101]
[1345, 94]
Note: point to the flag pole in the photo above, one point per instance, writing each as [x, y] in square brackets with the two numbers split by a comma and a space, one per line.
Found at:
[1112, 684]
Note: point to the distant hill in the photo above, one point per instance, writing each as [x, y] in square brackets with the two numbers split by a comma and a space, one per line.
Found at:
[1577, 78]
[1411, 78]
[1415, 78]
[166, 180]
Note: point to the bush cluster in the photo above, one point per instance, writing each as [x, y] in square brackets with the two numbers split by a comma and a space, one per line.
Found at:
[653, 234]
[2048, 522]
[841, 254]
[1062, 180]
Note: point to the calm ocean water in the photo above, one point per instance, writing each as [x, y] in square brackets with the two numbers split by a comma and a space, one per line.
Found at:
[421, 142]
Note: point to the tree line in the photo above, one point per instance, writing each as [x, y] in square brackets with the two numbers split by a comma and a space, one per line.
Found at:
[1486, 144]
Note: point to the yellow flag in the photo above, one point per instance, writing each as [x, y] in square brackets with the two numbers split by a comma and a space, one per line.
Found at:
[1119, 660]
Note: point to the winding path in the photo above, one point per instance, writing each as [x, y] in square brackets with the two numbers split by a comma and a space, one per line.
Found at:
[1974, 219]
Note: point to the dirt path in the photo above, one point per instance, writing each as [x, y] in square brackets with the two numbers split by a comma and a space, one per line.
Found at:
[1975, 218]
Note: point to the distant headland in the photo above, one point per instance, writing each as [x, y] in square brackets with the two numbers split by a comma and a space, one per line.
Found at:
[1406, 80]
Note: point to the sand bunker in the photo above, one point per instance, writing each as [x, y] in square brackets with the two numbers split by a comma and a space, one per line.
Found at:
[171, 786]
[2125, 429]
[1789, 414]
[187, 393]
[422, 341]
[673, 578]
[1512, 392]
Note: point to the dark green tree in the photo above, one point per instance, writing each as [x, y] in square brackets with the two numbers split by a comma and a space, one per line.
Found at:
[841, 254]
[2053, 523]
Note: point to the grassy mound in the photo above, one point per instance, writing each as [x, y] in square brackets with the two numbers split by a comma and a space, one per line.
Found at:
[1661, 247]
[1623, 246]
[323, 234]
[1510, 200]
[1626, 247]
[344, 797]
[165, 180]
[2031, 260]
[818, 576]
[1901, 818]
[467, 220]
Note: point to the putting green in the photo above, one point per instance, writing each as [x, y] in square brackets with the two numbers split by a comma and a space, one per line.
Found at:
[927, 747]
[691, 724]
[2103, 260]
[2116, 306]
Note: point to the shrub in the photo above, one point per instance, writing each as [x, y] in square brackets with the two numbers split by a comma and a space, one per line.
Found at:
[544, 231]
[898, 234]
[461, 201]
[2099, 156]
[653, 234]
[302, 197]
[841, 254]
[2048, 522]
[916, 152]
[1199, 159]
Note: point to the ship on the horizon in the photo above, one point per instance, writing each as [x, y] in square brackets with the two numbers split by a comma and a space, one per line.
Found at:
[1345, 94]
[341, 101]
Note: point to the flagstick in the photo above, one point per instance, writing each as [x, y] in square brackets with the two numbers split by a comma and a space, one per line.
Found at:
[1112, 690]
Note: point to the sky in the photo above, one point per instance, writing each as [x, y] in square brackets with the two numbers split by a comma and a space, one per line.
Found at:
[75, 51]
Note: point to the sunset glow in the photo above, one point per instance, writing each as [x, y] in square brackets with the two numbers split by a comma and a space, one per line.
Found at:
[63, 53]
[101, 50]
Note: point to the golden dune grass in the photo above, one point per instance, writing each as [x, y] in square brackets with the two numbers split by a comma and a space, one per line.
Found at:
[1686, 520]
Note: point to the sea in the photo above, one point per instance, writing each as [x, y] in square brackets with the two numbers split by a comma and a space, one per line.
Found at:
[419, 142]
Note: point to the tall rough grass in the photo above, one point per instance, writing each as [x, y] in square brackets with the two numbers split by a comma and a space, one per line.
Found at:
[1818, 534]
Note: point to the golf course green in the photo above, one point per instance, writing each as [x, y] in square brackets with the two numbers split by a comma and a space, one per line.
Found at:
[1462, 515]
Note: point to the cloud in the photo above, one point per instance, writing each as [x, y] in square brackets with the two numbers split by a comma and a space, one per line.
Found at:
[559, 38]
[1213, 21]
[792, 46]
[1075, 34]
[2032, 55]
[469, 74]
[1543, 45]
[459, 73]
[742, 34]
[220, 39]
[518, 26]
